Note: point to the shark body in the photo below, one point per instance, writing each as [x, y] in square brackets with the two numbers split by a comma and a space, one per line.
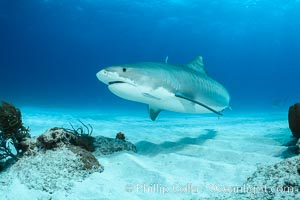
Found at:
[162, 86]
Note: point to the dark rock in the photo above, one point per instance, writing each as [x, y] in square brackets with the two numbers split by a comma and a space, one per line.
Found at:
[105, 145]
[120, 136]
[294, 119]
[298, 147]
[87, 158]
[86, 142]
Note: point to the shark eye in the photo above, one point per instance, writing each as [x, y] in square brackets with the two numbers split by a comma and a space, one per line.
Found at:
[124, 69]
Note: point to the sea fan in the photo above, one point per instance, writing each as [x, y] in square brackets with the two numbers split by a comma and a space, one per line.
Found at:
[12, 131]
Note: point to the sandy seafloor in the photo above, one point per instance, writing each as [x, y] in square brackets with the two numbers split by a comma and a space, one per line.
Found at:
[179, 156]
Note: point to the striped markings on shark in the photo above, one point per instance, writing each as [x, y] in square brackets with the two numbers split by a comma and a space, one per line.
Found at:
[163, 86]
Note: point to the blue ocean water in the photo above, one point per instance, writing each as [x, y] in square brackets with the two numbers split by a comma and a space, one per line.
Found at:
[50, 50]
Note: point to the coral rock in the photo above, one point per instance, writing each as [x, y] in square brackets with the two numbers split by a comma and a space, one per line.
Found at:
[294, 119]
[55, 137]
[279, 181]
[105, 145]
[28, 146]
[50, 171]
[88, 159]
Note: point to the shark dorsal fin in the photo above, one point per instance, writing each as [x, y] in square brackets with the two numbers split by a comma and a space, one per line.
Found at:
[197, 65]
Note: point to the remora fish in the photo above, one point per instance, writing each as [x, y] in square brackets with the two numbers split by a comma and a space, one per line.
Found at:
[179, 88]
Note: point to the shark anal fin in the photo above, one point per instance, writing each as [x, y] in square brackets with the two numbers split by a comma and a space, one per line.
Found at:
[153, 112]
[199, 103]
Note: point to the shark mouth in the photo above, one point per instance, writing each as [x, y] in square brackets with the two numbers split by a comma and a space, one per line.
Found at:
[114, 82]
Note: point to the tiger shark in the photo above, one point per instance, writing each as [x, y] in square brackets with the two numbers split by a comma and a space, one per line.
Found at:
[162, 86]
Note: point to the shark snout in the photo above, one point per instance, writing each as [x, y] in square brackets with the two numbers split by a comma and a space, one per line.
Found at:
[103, 76]
[107, 76]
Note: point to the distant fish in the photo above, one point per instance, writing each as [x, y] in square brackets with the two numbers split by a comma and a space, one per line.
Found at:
[179, 88]
[279, 103]
[166, 59]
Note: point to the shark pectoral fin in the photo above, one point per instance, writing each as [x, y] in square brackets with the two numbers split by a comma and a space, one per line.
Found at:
[199, 103]
[150, 96]
[153, 112]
